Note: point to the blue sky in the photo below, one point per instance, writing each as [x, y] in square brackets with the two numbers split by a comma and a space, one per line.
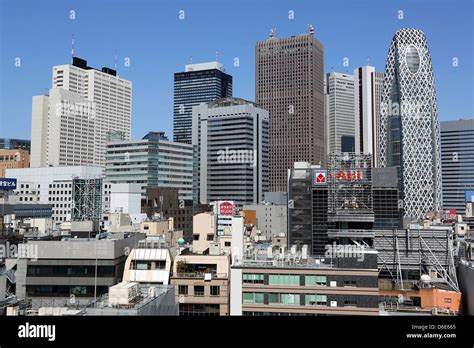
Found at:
[159, 43]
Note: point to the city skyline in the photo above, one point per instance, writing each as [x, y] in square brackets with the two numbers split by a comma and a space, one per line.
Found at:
[151, 70]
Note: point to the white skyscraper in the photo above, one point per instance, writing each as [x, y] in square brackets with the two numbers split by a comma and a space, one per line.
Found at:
[70, 125]
[233, 142]
[409, 135]
[368, 86]
[340, 112]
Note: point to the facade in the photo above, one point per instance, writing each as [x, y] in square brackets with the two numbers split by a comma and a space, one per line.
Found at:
[50, 275]
[457, 158]
[199, 83]
[271, 219]
[289, 83]
[202, 284]
[409, 138]
[368, 85]
[149, 263]
[309, 286]
[153, 161]
[387, 212]
[165, 203]
[15, 144]
[232, 138]
[17, 158]
[336, 204]
[300, 208]
[340, 112]
[70, 124]
[50, 185]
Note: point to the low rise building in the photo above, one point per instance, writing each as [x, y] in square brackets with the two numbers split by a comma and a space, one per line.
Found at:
[17, 158]
[269, 282]
[75, 268]
[201, 284]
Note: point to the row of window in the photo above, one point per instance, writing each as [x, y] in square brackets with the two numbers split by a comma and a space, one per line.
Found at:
[285, 279]
[199, 290]
[290, 299]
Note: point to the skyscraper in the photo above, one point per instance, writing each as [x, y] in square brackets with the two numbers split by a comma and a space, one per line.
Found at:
[70, 124]
[368, 85]
[457, 162]
[340, 112]
[233, 151]
[409, 138]
[199, 83]
[290, 85]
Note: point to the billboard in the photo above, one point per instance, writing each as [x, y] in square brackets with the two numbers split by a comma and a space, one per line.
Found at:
[320, 177]
[225, 208]
[7, 184]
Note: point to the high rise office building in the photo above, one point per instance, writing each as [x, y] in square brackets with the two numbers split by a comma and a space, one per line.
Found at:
[199, 83]
[409, 138]
[71, 123]
[153, 161]
[340, 112]
[368, 85]
[457, 162]
[290, 85]
[233, 140]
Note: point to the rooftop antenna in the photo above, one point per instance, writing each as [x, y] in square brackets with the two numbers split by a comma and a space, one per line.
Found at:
[72, 47]
[217, 56]
[190, 59]
[115, 62]
[368, 60]
[311, 29]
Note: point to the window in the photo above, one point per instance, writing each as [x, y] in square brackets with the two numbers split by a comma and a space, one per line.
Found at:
[227, 244]
[195, 236]
[182, 289]
[312, 300]
[140, 265]
[447, 300]
[285, 299]
[198, 290]
[252, 297]
[351, 303]
[283, 279]
[252, 278]
[210, 237]
[350, 282]
[313, 280]
[215, 290]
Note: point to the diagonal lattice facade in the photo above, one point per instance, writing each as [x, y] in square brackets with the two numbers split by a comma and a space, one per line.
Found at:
[408, 134]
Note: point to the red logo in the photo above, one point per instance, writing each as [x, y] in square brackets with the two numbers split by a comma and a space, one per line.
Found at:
[321, 178]
[226, 208]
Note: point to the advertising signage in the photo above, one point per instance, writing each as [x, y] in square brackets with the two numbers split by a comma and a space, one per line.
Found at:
[7, 184]
[320, 177]
[226, 208]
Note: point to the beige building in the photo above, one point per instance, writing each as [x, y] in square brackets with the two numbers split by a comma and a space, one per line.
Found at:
[204, 231]
[13, 159]
[289, 83]
[201, 284]
[163, 228]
